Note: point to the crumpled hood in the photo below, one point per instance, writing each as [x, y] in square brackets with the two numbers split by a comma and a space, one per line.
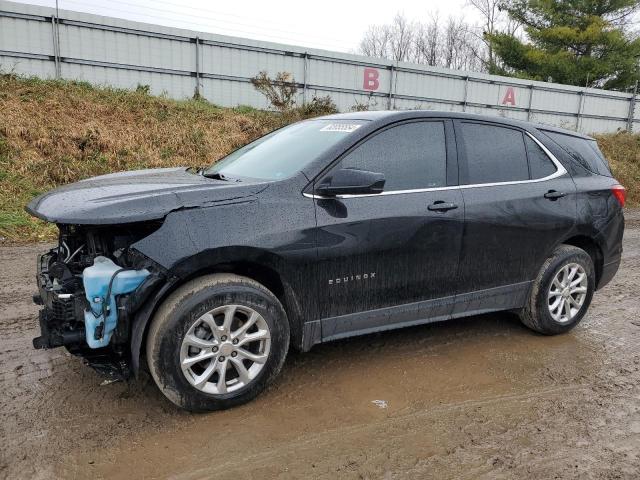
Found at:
[137, 196]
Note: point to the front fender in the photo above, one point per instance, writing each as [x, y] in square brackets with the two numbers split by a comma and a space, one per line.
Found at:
[141, 320]
[228, 259]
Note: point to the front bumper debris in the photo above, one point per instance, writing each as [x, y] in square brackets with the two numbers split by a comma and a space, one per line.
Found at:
[60, 318]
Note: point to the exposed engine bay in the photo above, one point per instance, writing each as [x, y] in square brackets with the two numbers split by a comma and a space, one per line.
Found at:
[90, 286]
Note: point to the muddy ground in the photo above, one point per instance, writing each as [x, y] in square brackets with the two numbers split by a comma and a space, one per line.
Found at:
[481, 397]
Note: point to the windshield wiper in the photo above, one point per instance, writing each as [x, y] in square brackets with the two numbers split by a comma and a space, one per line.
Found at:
[216, 176]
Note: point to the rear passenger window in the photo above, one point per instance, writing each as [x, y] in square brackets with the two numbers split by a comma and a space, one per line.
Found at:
[584, 151]
[494, 154]
[540, 165]
[411, 156]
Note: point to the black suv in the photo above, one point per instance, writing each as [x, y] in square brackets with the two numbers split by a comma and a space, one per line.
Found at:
[327, 228]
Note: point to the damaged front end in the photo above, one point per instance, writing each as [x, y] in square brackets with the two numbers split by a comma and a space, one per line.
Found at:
[90, 287]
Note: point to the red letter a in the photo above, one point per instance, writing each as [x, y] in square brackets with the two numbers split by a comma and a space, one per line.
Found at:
[509, 97]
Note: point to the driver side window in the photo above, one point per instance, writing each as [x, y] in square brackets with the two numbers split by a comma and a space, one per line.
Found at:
[411, 156]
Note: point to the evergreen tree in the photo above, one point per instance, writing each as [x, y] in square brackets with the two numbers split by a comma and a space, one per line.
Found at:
[575, 42]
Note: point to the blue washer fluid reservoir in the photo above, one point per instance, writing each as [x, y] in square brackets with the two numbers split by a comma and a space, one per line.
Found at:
[96, 284]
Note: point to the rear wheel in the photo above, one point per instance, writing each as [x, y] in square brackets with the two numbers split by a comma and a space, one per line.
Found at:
[217, 342]
[562, 292]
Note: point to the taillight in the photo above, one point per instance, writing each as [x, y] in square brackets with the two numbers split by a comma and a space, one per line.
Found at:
[620, 193]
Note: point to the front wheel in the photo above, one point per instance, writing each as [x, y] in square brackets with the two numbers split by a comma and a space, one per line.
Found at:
[561, 293]
[217, 342]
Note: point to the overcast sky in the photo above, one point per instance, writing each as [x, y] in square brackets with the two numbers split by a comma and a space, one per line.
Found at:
[328, 24]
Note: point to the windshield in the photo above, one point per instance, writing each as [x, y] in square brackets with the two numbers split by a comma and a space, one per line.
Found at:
[285, 152]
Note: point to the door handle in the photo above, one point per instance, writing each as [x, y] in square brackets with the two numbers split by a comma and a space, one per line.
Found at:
[441, 206]
[554, 195]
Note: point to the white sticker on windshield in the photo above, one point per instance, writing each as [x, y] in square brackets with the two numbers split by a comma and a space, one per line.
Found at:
[341, 127]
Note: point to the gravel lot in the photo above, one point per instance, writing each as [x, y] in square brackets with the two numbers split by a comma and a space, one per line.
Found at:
[481, 397]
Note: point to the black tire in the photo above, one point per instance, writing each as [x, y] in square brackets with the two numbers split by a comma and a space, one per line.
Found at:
[182, 309]
[536, 314]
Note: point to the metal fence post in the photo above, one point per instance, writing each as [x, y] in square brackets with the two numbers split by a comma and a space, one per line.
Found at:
[632, 109]
[580, 106]
[389, 107]
[56, 45]
[59, 72]
[531, 88]
[305, 73]
[197, 92]
[466, 93]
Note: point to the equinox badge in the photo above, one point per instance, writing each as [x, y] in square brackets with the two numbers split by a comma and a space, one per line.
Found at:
[352, 278]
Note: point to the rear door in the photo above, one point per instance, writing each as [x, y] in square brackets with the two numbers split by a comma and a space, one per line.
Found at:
[395, 248]
[519, 203]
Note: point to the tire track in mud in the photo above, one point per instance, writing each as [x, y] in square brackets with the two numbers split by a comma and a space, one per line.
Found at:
[396, 432]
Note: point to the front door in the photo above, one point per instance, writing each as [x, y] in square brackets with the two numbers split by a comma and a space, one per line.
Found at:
[393, 255]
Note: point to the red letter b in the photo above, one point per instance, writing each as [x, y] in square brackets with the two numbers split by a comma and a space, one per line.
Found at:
[371, 81]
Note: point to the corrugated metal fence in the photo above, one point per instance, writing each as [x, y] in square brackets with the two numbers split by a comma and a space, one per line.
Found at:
[179, 63]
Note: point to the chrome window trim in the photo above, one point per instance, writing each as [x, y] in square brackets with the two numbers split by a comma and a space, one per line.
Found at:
[560, 171]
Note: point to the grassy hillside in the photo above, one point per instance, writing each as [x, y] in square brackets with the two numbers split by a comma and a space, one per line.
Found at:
[56, 132]
[623, 152]
[52, 133]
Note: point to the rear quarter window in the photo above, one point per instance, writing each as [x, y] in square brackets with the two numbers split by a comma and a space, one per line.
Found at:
[582, 150]
[540, 165]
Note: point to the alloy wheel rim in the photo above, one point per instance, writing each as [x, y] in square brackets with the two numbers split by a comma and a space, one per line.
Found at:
[225, 349]
[567, 292]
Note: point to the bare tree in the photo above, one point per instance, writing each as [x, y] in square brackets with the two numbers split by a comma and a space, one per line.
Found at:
[490, 12]
[394, 41]
[450, 52]
[402, 38]
[427, 41]
[452, 45]
[494, 19]
[459, 46]
[376, 41]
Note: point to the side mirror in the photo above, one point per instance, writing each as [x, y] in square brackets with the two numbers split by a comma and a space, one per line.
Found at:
[350, 181]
